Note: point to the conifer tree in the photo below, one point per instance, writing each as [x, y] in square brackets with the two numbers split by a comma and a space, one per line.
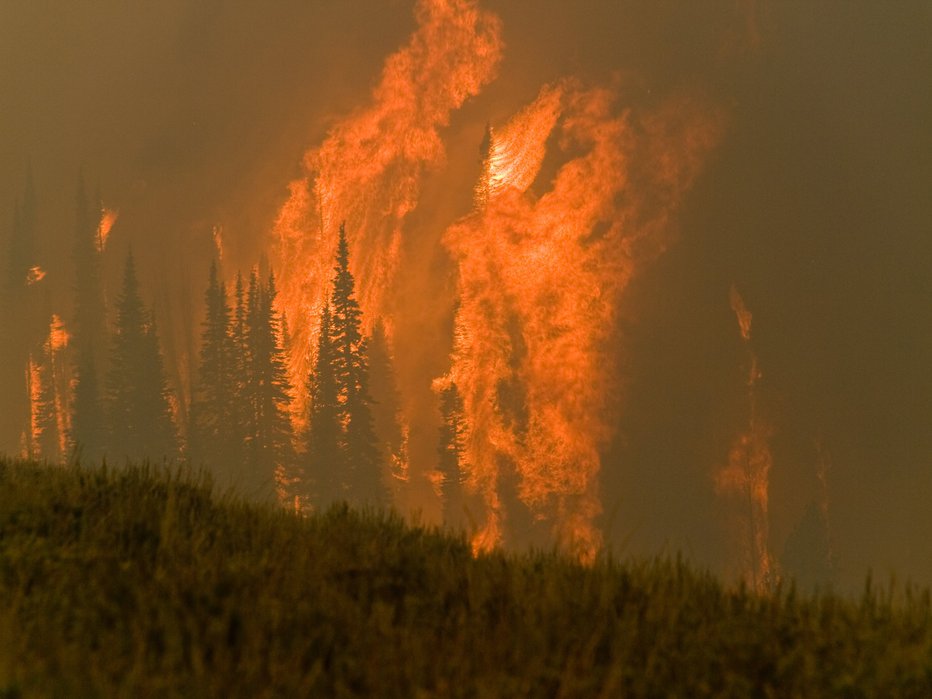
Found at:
[324, 464]
[88, 434]
[270, 455]
[138, 399]
[450, 450]
[386, 405]
[214, 430]
[363, 473]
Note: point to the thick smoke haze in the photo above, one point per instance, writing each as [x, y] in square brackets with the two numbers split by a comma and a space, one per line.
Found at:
[814, 205]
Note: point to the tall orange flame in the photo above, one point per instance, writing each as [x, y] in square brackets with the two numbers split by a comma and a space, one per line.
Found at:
[540, 280]
[30, 441]
[368, 170]
[107, 218]
[747, 474]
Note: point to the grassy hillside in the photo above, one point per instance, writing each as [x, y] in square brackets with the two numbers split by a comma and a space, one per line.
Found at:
[134, 583]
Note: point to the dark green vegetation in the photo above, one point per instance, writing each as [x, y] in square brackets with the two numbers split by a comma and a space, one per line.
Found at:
[137, 582]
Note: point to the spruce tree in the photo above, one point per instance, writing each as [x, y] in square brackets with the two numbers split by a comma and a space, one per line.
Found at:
[363, 473]
[386, 404]
[138, 399]
[324, 464]
[270, 455]
[450, 451]
[88, 434]
[214, 429]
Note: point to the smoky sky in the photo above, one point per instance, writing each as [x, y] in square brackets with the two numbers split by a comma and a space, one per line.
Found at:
[816, 206]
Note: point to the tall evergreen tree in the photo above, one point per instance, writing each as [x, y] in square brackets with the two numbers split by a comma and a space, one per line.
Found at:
[450, 451]
[351, 371]
[386, 404]
[215, 435]
[138, 399]
[324, 464]
[88, 433]
[267, 391]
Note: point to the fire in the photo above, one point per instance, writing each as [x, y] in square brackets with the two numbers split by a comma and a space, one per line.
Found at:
[540, 276]
[30, 447]
[107, 218]
[540, 280]
[747, 474]
[58, 335]
[34, 275]
[217, 236]
[368, 170]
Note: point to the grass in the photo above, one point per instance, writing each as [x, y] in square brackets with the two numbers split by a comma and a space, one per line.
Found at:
[139, 582]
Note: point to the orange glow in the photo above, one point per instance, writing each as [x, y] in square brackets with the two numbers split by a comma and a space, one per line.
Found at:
[747, 474]
[217, 236]
[34, 275]
[57, 342]
[34, 386]
[58, 336]
[107, 218]
[368, 170]
[540, 280]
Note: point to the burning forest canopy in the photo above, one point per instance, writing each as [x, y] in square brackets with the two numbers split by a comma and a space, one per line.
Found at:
[637, 276]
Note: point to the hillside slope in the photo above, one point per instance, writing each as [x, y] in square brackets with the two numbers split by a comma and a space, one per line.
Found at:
[134, 582]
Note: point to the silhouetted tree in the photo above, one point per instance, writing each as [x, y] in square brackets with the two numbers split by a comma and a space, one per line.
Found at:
[450, 451]
[386, 405]
[267, 393]
[363, 472]
[138, 399]
[216, 434]
[325, 464]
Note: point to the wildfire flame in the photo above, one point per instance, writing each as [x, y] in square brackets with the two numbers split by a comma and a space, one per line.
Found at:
[35, 275]
[747, 474]
[217, 236]
[368, 170]
[58, 335]
[107, 218]
[540, 280]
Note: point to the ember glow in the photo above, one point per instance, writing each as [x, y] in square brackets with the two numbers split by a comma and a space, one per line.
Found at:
[107, 218]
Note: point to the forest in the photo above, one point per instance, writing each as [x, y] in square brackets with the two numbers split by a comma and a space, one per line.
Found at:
[98, 390]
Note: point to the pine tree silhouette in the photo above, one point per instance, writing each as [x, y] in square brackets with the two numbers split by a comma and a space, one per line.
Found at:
[325, 465]
[215, 435]
[450, 451]
[267, 390]
[386, 404]
[363, 471]
[138, 399]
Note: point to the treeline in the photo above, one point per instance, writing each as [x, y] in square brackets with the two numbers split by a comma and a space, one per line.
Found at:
[100, 391]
